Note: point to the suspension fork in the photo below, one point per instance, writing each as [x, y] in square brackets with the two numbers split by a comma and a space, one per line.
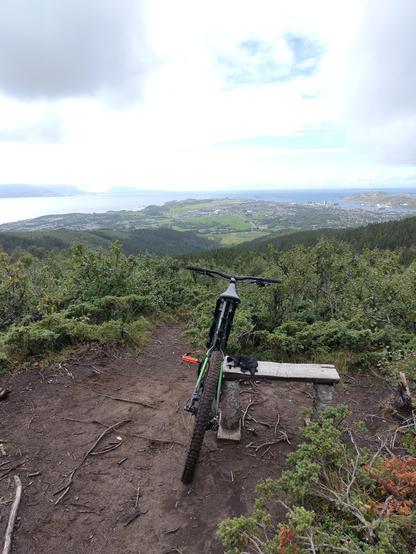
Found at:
[190, 405]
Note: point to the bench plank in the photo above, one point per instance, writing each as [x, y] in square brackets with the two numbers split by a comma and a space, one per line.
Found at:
[312, 373]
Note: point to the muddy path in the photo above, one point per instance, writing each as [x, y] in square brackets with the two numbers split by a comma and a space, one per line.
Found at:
[128, 498]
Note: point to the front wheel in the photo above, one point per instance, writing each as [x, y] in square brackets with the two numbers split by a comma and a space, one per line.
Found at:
[202, 417]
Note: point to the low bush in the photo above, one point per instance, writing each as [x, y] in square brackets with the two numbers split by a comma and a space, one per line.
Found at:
[56, 331]
[124, 308]
[338, 497]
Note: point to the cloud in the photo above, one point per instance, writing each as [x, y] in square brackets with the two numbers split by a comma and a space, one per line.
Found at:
[58, 49]
[258, 62]
[382, 104]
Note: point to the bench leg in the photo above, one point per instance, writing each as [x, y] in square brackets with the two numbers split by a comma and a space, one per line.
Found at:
[322, 398]
[230, 412]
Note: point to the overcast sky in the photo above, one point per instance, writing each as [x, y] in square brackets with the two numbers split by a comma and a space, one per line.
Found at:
[206, 95]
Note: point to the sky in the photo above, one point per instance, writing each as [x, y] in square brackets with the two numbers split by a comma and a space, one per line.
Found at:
[196, 95]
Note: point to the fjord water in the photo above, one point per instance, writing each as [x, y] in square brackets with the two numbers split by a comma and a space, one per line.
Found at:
[17, 209]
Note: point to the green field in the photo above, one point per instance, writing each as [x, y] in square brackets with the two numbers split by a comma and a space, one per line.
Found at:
[208, 204]
[213, 222]
[231, 239]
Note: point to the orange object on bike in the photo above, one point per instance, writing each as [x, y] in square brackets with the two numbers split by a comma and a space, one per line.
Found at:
[189, 359]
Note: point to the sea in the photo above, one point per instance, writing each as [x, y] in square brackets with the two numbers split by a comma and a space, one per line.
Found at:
[17, 209]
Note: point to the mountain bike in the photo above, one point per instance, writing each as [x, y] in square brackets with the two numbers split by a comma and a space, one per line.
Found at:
[204, 402]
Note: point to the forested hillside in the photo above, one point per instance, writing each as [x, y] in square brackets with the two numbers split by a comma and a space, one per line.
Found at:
[391, 235]
[158, 241]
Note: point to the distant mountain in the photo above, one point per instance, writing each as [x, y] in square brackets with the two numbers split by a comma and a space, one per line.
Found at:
[30, 191]
[67, 190]
[158, 241]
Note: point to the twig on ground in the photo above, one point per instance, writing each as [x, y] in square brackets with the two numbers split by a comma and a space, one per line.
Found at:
[283, 437]
[83, 421]
[163, 441]
[277, 423]
[11, 469]
[65, 492]
[251, 418]
[122, 461]
[70, 477]
[12, 518]
[106, 450]
[245, 411]
[265, 452]
[137, 497]
[127, 400]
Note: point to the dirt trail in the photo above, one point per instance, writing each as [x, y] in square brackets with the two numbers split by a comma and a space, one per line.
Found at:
[52, 418]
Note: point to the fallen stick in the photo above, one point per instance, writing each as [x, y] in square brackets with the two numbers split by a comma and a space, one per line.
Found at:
[12, 518]
[70, 477]
[127, 400]
[106, 450]
[10, 470]
[137, 497]
[277, 422]
[251, 418]
[163, 441]
[62, 496]
[284, 437]
[246, 411]
[83, 421]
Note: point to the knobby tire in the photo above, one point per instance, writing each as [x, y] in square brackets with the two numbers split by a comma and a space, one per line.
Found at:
[202, 417]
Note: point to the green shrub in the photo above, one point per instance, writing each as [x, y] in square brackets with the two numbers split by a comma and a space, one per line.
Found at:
[124, 308]
[4, 362]
[55, 332]
[334, 500]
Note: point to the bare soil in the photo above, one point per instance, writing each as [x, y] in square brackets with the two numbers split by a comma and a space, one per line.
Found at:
[129, 499]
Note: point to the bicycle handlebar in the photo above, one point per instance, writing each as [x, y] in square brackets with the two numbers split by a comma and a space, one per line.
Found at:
[213, 272]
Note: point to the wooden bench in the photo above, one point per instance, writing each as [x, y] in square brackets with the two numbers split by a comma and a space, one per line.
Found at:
[323, 377]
